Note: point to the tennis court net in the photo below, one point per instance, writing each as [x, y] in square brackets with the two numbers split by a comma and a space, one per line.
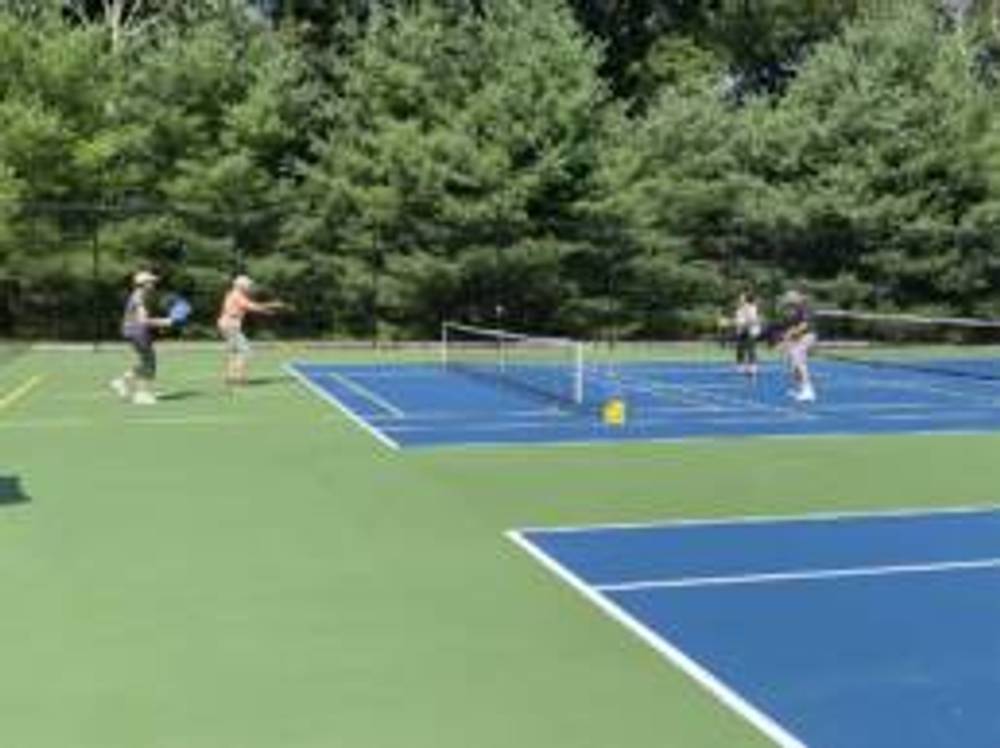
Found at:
[952, 346]
[547, 367]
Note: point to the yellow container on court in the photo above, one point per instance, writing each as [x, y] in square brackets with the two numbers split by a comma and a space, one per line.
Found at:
[613, 412]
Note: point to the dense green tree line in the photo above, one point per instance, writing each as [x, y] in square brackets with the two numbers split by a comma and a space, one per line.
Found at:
[570, 166]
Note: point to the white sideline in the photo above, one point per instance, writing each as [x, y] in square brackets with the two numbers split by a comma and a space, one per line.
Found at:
[324, 395]
[725, 694]
[597, 594]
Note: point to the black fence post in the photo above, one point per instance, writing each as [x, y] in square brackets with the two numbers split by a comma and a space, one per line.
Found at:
[373, 307]
[95, 244]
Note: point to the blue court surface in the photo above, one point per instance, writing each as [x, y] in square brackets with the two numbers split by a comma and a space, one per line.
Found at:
[424, 405]
[879, 631]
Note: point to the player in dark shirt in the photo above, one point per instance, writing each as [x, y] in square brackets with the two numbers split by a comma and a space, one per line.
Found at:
[138, 328]
[799, 337]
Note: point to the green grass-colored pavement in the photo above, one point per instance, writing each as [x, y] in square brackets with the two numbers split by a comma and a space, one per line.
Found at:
[254, 570]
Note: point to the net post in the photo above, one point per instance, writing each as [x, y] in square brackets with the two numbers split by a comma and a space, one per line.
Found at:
[444, 345]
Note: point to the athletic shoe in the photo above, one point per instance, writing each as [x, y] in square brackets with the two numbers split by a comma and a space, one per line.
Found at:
[120, 388]
[144, 398]
[806, 396]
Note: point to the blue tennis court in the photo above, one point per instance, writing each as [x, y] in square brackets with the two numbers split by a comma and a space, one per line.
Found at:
[838, 632]
[427, 405]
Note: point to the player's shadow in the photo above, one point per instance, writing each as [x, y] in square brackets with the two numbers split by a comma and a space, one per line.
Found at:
[177, 395]
[11, 491]
[258, 383]
[265, 381]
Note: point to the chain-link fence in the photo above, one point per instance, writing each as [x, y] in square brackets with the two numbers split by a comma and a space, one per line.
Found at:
[66, 270]
[66, 267]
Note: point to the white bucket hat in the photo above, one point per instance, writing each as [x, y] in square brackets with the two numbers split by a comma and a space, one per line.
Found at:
[144, 278]
[792, 297]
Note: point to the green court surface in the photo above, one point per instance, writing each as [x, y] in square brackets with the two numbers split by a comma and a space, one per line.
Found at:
[254, 570]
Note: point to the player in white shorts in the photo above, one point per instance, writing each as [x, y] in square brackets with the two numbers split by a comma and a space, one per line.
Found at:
[236, 305]
[798, 339]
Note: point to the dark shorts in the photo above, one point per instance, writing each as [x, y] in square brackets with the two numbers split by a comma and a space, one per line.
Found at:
[746, 347]
[142, 344]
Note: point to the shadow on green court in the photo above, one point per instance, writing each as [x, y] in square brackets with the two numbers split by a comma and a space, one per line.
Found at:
[11, 491]
[269, 381]
[266, 381]
[178, 395]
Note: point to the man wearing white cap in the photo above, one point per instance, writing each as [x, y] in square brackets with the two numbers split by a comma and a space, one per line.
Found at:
[235, 307]
[138, 329]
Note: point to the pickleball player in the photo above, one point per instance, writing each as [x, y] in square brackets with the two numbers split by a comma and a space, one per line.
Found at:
[139, 329]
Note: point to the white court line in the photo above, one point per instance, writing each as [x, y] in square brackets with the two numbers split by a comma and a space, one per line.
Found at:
[457, 428]
[959, 415]
[465, 415]
[993, 401]
[402, 371]
[775, 519]
[721, 368]
[44, 423]
[367, 394]
[801, 576]
[702, 441]
[254, 393]
[654, 415]
[734, 386]
[901, 383]
[511, 425]
[733, 390]
[190, 420]
[724, 693]
[695, 393]
[876, 406]
[683, 394]
[329, 398]
[65, 423]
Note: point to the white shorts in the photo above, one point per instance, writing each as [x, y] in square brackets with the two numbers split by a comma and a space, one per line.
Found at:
[798, 350]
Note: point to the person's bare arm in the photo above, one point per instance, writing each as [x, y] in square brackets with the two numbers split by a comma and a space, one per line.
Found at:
[266, 307]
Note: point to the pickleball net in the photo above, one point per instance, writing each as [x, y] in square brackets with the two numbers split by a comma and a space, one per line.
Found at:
[547, 367]
[960, 347]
